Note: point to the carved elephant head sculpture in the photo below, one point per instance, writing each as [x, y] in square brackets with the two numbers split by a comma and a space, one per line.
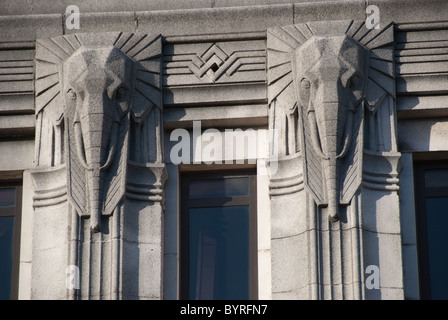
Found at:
[322, 79]
[329, 78]
[100, 85]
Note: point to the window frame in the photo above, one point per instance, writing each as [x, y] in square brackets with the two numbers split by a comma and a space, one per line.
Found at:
[15, 212]
[421, 193]
[186, 204]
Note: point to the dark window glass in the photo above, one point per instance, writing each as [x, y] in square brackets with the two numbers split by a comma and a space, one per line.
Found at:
[437, 238]
[218, 236]
[6, 252]
[431, 185]
[7, 197]
[10, 213]
[213, 188]
[219, 253]
[436, 178]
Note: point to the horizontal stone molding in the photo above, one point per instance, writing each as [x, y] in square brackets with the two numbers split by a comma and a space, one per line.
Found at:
[284, 186]
[381, 171]
[50, 186]
[287, 178]
[216, 94]
[421, 55]
[145, 181]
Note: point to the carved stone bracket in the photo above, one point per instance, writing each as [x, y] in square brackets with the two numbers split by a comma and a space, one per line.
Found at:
[50, 186]
[381, 171]
[146, 181]
[283, 182]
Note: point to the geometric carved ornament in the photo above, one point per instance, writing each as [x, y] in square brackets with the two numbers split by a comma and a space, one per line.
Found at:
[327, 84]
[214, 62]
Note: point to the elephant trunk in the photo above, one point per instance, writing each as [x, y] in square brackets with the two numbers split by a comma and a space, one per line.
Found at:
[96, 133]
[332, 179]
[333, 128]
[95, 202]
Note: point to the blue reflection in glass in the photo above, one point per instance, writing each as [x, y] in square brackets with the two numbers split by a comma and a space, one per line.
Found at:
[6, 247]
[437, 236]
[214, 188]
[7, 197]
[219, 253]
[436, 178]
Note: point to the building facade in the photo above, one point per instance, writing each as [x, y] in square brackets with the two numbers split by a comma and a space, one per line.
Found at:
[223, 149]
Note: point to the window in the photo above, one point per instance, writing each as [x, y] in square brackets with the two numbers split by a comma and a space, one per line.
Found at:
[218, 236]
[431, 185]
[10, 212]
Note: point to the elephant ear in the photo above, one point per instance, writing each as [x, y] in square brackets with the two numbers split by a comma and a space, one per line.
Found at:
[50, 55]
[381, 78]
[76, 176]
[146, 50]
[351, 164]
[281, 43]
[313, 173]
[380, 87]
[282, 98]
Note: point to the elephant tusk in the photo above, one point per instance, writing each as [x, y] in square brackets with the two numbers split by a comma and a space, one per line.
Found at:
[79, 143]
[314, 135]
[110, 156]
[348, 137]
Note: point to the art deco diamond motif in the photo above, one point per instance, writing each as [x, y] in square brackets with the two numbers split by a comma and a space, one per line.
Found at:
[210, 63]
[214, 62]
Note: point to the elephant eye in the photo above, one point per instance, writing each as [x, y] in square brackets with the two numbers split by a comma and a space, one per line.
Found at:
[305, 83]
[120, 92]
[71, 94]
[354, 81]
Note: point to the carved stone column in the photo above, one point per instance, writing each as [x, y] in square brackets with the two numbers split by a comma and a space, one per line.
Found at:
[99, 170]
[334, 200]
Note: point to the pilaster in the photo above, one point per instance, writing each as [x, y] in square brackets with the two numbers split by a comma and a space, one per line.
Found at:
[334, 198]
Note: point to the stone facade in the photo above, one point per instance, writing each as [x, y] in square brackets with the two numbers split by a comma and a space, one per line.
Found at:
[86, 117]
